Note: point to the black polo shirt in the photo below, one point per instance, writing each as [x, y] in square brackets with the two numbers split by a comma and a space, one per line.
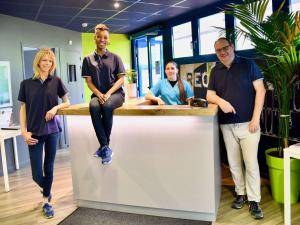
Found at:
[104, 70]
[235, 86]
[39, 98]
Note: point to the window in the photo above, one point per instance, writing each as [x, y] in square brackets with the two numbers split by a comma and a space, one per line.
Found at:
[295, 5]
[241, 42]
[209, 33]
[182, 40]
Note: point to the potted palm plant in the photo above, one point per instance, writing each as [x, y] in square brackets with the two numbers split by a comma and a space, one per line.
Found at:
[276, 39]
[131, 79]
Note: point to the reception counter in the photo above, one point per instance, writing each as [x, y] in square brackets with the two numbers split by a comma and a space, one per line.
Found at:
[166, 161]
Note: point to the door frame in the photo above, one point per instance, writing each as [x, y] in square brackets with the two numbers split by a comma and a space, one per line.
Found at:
[136, 59]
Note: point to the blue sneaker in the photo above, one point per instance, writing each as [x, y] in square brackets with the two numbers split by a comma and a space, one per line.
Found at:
[99, 152]
[48, 210]
[107, 156]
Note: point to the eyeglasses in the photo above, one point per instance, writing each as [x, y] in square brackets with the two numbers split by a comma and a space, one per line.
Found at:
[225, 48]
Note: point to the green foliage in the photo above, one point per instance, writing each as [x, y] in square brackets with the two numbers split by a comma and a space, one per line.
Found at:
[131, 76]
[277, 39]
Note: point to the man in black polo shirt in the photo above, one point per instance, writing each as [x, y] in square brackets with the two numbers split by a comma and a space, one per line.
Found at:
[104, 74]
[236, 86]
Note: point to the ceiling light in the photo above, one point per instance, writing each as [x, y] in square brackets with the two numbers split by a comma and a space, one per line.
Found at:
[117, 5]
[84, 24]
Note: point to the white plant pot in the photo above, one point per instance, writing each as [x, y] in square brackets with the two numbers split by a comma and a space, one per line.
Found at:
[131, 90]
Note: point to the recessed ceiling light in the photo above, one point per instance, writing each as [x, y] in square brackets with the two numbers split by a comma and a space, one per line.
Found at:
[117, 5]
[84, 24]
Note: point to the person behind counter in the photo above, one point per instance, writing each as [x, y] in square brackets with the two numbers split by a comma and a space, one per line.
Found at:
[104, 74]
[236, 86]
[39, 124]
[172, 90]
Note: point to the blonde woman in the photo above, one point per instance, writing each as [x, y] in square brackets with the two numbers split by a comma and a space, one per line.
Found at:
[40, 126]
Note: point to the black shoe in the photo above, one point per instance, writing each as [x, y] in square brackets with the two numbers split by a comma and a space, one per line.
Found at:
[255, 210]
[239, 202]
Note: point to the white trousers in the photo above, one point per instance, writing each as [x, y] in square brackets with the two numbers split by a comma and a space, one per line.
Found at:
[242, 147]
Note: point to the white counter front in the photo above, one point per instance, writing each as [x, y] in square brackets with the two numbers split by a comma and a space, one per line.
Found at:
[162, 165]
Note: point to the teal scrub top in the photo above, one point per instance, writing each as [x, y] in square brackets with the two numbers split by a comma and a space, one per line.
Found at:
[169, 94]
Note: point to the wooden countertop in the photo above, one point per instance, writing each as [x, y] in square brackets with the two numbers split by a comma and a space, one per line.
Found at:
[141, 107]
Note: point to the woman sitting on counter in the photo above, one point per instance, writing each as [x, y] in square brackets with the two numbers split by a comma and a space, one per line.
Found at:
[172, 90]
[104, 74]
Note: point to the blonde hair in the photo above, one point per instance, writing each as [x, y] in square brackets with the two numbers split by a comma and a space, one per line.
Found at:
[39, 55]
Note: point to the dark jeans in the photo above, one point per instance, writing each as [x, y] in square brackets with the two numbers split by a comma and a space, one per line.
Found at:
[43, 178]
[102, 116]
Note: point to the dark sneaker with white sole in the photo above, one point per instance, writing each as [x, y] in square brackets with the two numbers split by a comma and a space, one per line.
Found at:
[107, 155]
[239, 202]
[255, 210]
[48, 210]
[99, 152]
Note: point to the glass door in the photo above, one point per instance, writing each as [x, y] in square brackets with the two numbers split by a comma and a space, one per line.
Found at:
[142, 65]
[156, 60]
[148, 61]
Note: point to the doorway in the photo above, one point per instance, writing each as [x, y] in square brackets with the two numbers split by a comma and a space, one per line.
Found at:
[149, 61]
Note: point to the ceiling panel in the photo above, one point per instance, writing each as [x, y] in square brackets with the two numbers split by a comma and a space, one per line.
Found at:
[173, 11]
[116, 22]
[18, 8]
[57, 18]
[147, 8]
[130, 16]
[92, 22]
[163, 2]
[192, 3]
[156, 17]
[67, 3]
[136, 25]
[97, 13]
[127, 0]
[88, 20]
[77, 26]
[53, 10]
[34, 2]
[108, 5]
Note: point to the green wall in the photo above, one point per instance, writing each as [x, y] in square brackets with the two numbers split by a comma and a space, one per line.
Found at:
[119, 44]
